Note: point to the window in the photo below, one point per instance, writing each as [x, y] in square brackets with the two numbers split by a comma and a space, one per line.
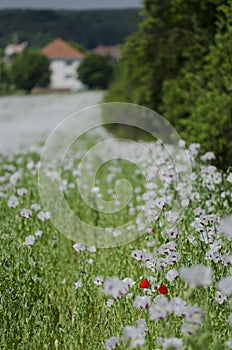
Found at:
[68, 76]
[68, 62]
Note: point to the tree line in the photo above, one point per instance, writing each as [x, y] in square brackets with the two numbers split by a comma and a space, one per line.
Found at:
[89, 28]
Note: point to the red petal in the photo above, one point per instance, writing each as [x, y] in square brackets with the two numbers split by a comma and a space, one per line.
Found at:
[163, 289]
[144, 283]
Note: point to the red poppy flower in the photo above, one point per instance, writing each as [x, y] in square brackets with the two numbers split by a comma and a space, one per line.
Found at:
[163, 289]
[153, 230]
[144, 283]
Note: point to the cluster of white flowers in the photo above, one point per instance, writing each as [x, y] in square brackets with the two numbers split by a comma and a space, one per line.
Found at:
[188, 328]
[226, 225]
[16, 177]
[26, 213]
[225, 285]
[173, 343]
[170, 343]
[210, 176]
[220, 297]
[129, 281]
[111, 343]
[172, 216]
[44, 215]
[198, 275]
[114, 287]
[142, 302]
[78, 284]
[208, 156]
[79, 247]
[99, 280]
[21, 192]
[173, 232]
[35, 207]
[92, 249]
[134, 336]
[160, 309]
[206, 231]
[13, 202]
[152, 260]
[206, 225]
[172, 275]
[167, 248]
[110, 302]
[194, 315]
[38, 233]
[29, 240]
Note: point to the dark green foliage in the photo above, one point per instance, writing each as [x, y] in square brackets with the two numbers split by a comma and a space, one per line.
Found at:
[4, 77]
[89, 28]
[171, 35]
[30, 69]
[95, 71]
[76, 45]
[179, 63]
[199, 102]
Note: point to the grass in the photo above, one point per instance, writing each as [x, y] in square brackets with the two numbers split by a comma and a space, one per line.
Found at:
[39, 305]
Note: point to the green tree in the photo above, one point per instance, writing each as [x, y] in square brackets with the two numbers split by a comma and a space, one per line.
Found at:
[30, 69]
[77, 45]
[179, 63]
[95, 71]
[172, 34]
[4, 77]
[199, 102]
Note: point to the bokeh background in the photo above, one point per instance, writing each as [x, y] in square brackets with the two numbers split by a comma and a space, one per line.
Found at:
[174, 57]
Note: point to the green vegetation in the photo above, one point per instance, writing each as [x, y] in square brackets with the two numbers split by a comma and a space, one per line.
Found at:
[95, 71]
[58, 295]
[76, 45]
[30, 69]
[5, 80]
[179, 64]
[89, 28]
[40, 308]
[199, 101]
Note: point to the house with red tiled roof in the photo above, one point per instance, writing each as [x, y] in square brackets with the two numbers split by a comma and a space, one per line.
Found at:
[15, 49]
[64, 62]
[111, 51]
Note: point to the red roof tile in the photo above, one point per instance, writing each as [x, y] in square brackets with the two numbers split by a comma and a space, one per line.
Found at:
[112, 51]
[60, 49]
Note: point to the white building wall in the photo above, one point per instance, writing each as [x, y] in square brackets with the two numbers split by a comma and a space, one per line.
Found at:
[64, 74]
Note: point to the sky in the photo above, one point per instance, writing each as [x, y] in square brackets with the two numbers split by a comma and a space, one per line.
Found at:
[70, 4]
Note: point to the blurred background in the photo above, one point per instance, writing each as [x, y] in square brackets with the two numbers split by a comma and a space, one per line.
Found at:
[174, 57]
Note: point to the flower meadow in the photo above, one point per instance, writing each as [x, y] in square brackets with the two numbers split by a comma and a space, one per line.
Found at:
[170, 288]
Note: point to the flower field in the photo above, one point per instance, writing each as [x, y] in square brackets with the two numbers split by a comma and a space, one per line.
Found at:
[168, 287]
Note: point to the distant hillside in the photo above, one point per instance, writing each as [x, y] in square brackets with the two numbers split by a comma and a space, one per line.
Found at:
[89, 28]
